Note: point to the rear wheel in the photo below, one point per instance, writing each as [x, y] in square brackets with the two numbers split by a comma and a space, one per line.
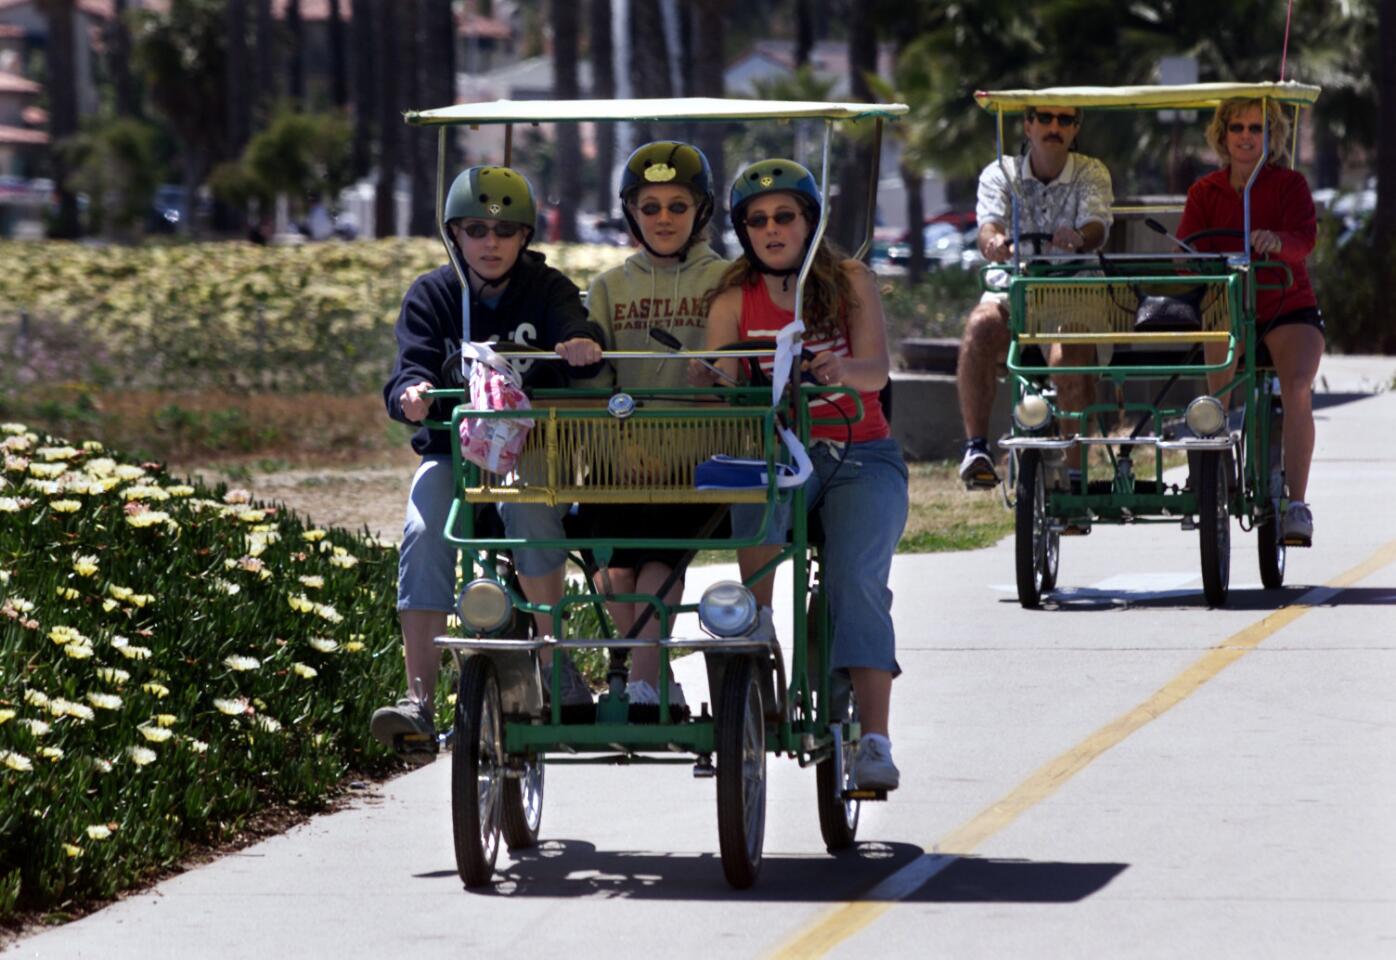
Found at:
[741, 773]
[838, 818]
[523, 805]
[1036, 547]
[1214, 527]
[1269, 536]
[477, 772]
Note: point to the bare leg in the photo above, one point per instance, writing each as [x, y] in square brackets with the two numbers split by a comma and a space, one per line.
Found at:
[1297, 350]
[423, 659]
[751, 559]
[1216, 353]
[543, 589]
[622, 581]
[1075, 391]
[982, 348]
[644, 661]
[873, 689]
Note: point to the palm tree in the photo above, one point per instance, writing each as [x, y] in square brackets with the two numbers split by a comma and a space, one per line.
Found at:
[846, 221]
[339, 60]
[362, 55]
[239, 76]
[119, 62]
[390, 125]
[565, 17]
[264, 62]
[295, 54]
[63, 109]
[709, 19]
[603, 87]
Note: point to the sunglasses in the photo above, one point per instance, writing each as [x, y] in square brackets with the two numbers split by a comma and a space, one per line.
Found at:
[783, 218]
[1255, 128]
[1062, 119]
[651, 209]
[478, 231]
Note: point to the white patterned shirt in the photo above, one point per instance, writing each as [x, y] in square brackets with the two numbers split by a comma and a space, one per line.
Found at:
[1080, 194]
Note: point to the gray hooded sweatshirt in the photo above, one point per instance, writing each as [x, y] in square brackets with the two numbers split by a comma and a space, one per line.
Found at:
[627, 301]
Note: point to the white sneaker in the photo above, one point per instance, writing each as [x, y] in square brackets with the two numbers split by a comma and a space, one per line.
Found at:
[1297, 525]
[873, 768]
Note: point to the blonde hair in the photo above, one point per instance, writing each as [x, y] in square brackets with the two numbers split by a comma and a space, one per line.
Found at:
[829, 296]
[1276, 120]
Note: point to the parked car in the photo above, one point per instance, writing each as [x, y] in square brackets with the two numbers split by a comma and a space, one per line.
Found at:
[946, 245]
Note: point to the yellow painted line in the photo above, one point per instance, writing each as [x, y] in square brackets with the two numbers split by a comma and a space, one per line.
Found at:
[846, 920]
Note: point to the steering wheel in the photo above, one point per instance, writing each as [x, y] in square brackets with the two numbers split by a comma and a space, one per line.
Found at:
[1038, 240]
[751, 366]
[1192, 238]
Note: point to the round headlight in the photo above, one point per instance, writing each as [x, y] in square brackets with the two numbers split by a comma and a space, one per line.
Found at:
[727, 609]
[1032, 413]
[484, 606]
[1205, 416]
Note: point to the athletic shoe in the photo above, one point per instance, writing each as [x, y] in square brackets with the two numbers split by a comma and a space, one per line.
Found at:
[644, 702]
[873, 768]
[407, 729]
[1297, 527]
[977, 467]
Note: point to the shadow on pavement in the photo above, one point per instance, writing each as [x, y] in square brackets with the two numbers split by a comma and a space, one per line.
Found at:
[1091, 600]
[1322, 401]
[975, 880]
[574, 869]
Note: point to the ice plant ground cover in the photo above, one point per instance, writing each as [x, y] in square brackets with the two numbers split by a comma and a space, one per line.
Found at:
[172, 659]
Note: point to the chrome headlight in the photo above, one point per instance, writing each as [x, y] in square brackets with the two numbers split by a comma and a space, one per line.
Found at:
[1205, 416]
[727, 609]
[484, 606]
[1032, 413]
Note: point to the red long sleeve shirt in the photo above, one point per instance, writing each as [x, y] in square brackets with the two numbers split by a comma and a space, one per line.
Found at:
[1281, 203]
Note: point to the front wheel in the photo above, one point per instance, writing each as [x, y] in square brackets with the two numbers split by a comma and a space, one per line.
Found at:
[477, 772]
[838, 817]
[523, 805]
[1269, 534]
[1214, 527]
[741, 773]
[1036, 547]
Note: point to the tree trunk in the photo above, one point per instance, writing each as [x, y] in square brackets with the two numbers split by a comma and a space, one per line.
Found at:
[603, 87]
[63, 110]
[389, 122]
[649, 59]
[295, 53]
[264, 64]
[912, 181]
[804, 32]
[709, 42]
[364, 52]
[850, 215]
[1384, 219]
[569, 160]
[128, 102]
[416, 140]
[339, 60]
[239, 98]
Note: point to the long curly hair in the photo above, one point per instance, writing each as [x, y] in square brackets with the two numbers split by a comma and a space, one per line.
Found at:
[829, 296]
[1276, 120]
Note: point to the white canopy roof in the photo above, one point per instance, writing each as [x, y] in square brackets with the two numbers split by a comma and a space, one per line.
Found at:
[1187, 96]
[672, 109]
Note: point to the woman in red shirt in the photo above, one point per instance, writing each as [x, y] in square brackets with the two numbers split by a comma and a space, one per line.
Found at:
[859, 485]
[1288, 320]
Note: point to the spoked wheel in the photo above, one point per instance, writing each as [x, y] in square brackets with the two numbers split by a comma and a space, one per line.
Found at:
[838, 818]
[1036, 548]
[477, 772]
[1214, 527]
[1269, 536]
[741, 773]
[523, 805]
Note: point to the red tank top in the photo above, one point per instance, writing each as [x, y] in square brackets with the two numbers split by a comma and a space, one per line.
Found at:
[763, 319]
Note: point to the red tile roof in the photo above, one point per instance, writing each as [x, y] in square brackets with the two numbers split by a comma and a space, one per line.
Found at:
[14, 83]
[19, 135]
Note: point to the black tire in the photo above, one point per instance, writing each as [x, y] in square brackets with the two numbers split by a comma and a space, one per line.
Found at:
[741, 773]
[838, 818]
[1269, 539]
[477, 772]
[1036, 548]
[1214, 527]
[522, 814]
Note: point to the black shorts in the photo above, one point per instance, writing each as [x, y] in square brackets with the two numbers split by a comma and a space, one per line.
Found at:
[622, 521]
[1307, 316]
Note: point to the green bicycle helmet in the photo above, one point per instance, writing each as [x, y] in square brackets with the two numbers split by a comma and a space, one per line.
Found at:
[669, 163]
[771, 176]
[491, 193]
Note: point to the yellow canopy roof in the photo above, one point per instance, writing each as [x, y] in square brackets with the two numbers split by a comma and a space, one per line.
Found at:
[674, 109]
[1186, 96]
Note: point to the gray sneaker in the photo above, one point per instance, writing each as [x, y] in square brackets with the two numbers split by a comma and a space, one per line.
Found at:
[873, 768]
[1297, 527]
[575, 692]
[977, 467]
[407, 729]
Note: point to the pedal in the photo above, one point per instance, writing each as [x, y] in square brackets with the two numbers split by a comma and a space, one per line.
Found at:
[857, 794]
[417, 749]
[981, 481]
[1075, 530]
[1297, 541]
[704, 769]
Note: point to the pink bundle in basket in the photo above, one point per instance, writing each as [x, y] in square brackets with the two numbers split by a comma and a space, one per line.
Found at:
[494, 444]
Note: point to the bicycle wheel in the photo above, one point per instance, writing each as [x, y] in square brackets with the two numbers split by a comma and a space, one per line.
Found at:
[523, 805]
[1035, 546]
[838, 818]
[1214, 527]
[477, 772]
[741, 773]
[1269, 536]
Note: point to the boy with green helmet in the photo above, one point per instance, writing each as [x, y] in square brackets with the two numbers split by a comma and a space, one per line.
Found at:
[510, 295]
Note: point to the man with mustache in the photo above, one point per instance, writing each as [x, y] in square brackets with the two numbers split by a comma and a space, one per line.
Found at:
[1062, 194]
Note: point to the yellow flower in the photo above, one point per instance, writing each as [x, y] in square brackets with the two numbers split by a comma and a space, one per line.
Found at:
[343, 561]
[66, 506]
[267, 723]
[133, 652]
[323, 644]
[109, 605]
[67, 708]
[147, 519]
[198, 746]
[36, 727]
[157, 690]
[16, 761]
[47, 471]
[304, 670]
[61, 635]
[240, 663]
[141, 599]
[252, 516]
[180, 490]
[129, 472]
[49, 488]
[104, 701]
[120, 593]
[100, 467]
[312, 583]
[145, 491]
[72, 850]
[98, 831]
[155, 734]
[10, 505]
[56, 453]
[251, 564]
[85, 565]
[6, 714]
[140, 756]
[51, 753]
[233, 708]
[92, 446]
[68, 593]
[312, 536]
[301, 603]
[12, 428]
[231, 589]
[237, 495]
[166, 719]
[326, 612]
[113, 675]
[353, 646]
[79, 651]
[36, 697]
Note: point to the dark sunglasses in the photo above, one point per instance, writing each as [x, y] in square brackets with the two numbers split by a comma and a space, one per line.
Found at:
[651, 209]
[1256, 128]
[503, 231]
[1062, 119]
[783, 218]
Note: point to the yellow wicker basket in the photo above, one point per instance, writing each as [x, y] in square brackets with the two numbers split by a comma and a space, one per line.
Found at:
[1102, 310]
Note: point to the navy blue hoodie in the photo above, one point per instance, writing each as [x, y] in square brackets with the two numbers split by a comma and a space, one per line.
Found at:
[540, 307]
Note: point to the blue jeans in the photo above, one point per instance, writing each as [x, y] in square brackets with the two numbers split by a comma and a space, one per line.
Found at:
[863, 511]
[427, 561]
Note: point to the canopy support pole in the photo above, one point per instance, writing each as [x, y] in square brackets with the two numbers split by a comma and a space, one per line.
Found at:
[451, 252]
[872, 191]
